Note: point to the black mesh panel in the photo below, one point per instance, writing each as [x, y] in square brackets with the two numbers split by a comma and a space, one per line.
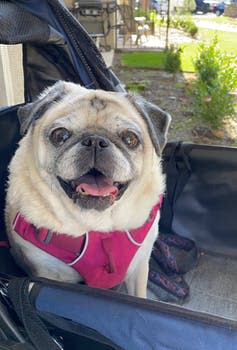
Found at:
[19, 26]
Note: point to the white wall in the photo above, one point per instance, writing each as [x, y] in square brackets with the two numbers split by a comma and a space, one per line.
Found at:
[11, 75]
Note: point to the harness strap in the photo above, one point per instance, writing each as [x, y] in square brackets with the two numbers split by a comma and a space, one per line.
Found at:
[4, 244]
[101, 258]
[62, 244]
[59, 245]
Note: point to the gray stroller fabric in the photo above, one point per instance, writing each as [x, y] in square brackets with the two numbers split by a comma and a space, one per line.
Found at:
[213, 286]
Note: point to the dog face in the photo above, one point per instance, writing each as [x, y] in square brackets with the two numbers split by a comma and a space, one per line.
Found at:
[89, 161]
[92, 146]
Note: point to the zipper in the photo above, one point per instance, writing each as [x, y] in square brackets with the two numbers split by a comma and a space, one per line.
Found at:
[64, 21]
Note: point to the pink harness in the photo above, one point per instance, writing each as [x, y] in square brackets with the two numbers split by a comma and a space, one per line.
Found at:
[102, 259]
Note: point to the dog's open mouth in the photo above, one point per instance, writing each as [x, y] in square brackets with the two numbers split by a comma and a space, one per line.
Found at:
[93, 190]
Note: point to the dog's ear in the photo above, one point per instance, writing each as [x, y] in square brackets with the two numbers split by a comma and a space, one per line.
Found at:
[157, 120]
[30, 112]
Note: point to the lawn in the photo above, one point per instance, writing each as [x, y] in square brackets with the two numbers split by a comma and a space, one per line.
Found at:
[189, 51]
[151, 60]
[219, 20]
[155, 60]
[227, 43]
[227, 40]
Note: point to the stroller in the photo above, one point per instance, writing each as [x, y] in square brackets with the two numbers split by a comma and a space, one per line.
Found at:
[200, 205]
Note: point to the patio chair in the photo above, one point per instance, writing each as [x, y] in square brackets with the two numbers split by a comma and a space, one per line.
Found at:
[132, 25]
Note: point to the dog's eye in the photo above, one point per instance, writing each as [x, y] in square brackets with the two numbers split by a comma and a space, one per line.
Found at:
[59, 136]
[130, 138]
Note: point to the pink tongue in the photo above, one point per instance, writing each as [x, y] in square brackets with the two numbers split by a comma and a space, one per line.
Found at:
[96, 186]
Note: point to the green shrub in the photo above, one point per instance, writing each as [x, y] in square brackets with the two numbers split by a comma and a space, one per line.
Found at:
[140, 12]
[189, 6]
[193, 29]
[173, 59]
[152, 16]
[216, 79]
[136, 86]
[185, 23]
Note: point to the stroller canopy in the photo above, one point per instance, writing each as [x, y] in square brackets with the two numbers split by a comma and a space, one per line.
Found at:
[55, 46]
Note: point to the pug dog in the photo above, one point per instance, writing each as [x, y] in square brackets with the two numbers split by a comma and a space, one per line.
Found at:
[85, 187]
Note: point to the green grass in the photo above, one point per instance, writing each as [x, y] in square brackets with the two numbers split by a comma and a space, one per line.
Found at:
[156, 60]
[151, 60]
[227, 40]
[136, 86]
[189, 51]
[221, 19]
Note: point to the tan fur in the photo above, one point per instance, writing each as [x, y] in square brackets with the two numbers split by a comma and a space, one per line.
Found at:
[33, 191]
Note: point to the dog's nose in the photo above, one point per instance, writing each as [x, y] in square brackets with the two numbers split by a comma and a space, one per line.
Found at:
[95, 141]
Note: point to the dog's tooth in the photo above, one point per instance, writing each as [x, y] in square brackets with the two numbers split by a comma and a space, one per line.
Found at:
[83, 193]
